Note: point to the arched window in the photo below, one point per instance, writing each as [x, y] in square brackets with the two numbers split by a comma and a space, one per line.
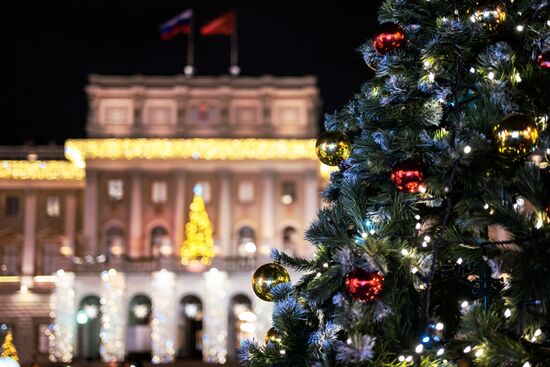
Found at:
[139, 325]
[190, 327]
[247, 241]
[160, 243]
[290, 239]
[241, 323]
[88, 320]
[115, 240]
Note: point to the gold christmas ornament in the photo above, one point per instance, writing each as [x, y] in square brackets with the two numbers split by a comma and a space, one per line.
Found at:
[266, 277]
[516, 135]
[332, 147]
[490, 14]
[272, 336]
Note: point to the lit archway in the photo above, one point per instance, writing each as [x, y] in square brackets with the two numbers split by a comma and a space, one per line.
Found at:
[88, 319]
[138, 338]
[190, 328]
[241, 323]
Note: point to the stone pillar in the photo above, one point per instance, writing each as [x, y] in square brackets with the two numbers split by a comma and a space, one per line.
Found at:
[215, 317]
[70, 220]
[179, 210]
[136, 247]
[268, 236]
[164, 328]
[29, 242]
[225, 224]
[90, 213]
[311, 207]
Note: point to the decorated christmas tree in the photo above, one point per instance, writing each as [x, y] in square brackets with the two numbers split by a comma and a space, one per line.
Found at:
[433, 249]
[8, 349]
[198, 245]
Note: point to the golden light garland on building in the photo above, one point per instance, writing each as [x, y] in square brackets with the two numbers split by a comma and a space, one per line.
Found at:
[41, 170]
[78, 151]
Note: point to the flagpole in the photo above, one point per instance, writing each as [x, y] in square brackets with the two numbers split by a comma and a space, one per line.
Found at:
[189, 69]
[234, 61]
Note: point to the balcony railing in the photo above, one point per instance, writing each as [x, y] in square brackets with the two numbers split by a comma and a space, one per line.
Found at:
[148, 265]
[49, 264]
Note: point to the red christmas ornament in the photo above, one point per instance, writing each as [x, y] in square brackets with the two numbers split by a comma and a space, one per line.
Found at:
[363, 285]
[543, 59]
[408, 176]
[390, 37]
[548, 211]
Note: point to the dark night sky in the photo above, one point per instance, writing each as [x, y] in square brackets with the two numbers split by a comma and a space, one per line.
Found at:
[49, 48]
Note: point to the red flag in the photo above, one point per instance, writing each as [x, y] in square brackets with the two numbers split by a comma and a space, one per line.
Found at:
[223, 25]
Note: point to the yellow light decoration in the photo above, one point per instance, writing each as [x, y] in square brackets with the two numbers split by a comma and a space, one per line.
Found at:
[8, 349]
[198, 244]
[41, 170]
[80, 150]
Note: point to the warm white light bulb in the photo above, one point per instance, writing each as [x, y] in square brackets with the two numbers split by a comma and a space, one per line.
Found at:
[404, 252]
[491, 75]
[439, 326]
[440, 352]
[464, 304]
[467, 349]
[519, 28]
[507, 313]
[459, 261]
[419, 348]
[479, 353]
[467, 149]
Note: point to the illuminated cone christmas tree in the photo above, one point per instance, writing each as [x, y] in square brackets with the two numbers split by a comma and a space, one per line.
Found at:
[198, 245]
[8, 349]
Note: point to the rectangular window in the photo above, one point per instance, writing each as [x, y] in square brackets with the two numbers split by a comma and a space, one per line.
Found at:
[159, 192]
[12, 206]
[246, 191]
[116, 189]
[52, 206]
[206, 191]
[289, 193]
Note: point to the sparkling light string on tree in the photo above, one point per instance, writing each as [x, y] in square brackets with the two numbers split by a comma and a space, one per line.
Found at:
[63, 311]
[198, 245]
[445, 135]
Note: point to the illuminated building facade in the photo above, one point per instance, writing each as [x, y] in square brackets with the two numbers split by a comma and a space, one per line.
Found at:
[90, 233]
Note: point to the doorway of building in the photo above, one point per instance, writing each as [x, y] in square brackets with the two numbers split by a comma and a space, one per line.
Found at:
[190, 328]
[88, 319]
[241, 324]
[138, 338]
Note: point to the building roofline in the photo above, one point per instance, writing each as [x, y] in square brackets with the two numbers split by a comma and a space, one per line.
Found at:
[298, 82]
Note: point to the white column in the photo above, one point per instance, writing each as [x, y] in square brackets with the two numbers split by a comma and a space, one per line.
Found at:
[164, 325]
[135, 245]
[70, 220]
[268, 237]
[113, 316]
[311, 206]
[63, 308]
[225, 223]
[90, 213]
[215, 317]
[29, 244]
[179, 210]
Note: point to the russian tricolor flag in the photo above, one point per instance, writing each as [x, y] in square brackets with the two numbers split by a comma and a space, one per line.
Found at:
[180, 24]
